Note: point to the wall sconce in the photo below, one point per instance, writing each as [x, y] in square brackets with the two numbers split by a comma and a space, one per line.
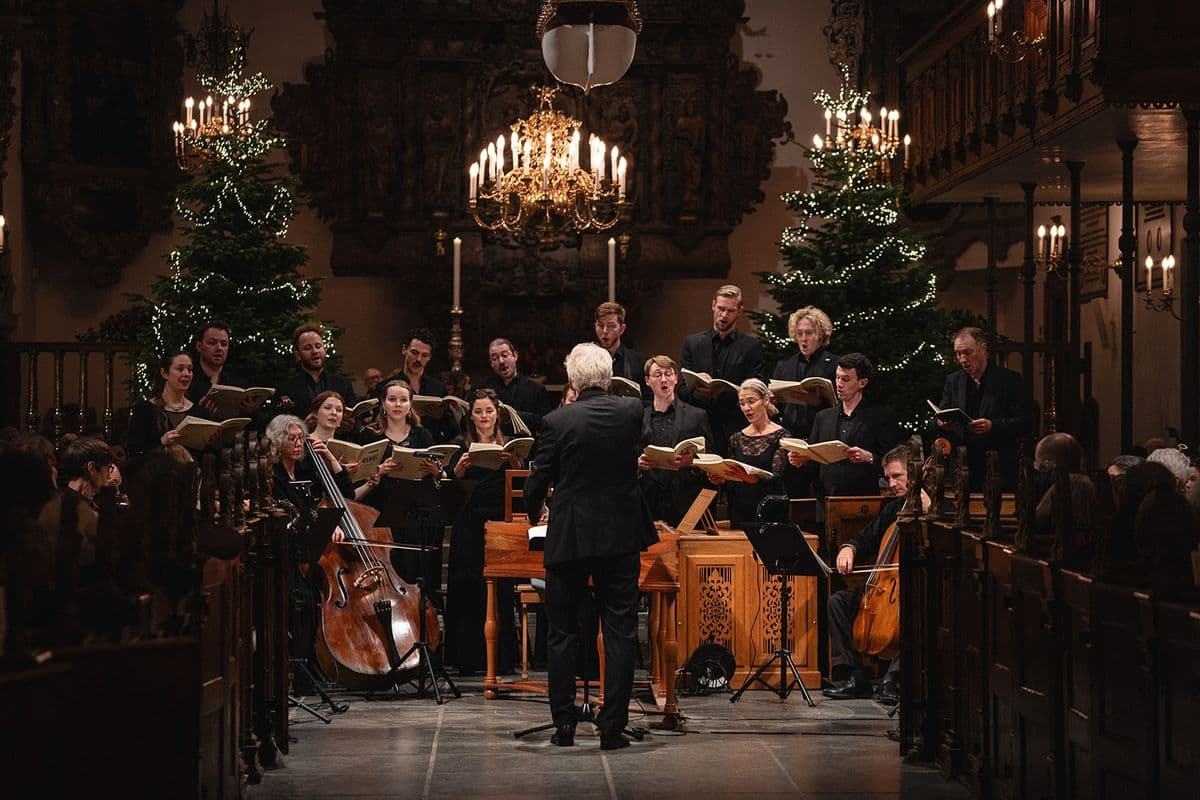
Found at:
[1010, 47]
[1050, 253]
[1164, 300]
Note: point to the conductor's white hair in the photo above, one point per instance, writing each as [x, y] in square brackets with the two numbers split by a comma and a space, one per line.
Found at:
[589, 365]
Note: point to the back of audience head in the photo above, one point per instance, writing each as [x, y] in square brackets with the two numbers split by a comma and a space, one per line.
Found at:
[1174, 460]
[1059, 450]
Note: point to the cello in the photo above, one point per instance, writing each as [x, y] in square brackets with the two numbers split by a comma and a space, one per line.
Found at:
[877, 624]
[369, 615]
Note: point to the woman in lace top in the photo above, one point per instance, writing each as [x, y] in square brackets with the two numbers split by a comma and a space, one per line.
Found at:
[757, 444]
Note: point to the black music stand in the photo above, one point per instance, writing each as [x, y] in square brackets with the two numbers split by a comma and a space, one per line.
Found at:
[782, 549]
[424, 505]
[312, 536]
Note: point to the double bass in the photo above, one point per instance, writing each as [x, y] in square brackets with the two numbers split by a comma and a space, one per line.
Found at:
[370, 617]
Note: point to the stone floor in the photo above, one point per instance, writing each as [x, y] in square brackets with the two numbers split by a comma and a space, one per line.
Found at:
[411, 748]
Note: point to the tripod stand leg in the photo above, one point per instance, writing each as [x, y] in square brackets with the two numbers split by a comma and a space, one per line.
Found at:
[292, 701]
[799, 684]
[303, 666]
[757, 676]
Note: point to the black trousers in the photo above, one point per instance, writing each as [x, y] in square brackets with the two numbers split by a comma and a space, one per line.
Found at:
[843, 608]
[614, 582]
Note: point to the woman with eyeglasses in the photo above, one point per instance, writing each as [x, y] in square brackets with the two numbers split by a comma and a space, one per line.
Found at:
[285, 436]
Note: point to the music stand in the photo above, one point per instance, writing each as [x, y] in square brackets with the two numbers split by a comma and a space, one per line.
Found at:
[784, 552]
[307, 546]
[425, 505]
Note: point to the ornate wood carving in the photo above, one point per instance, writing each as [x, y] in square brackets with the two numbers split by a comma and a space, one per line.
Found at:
[1026, 501]
[716, 605]
[381, 132]
[991, 496]
[100, 86]
[962, 490]
[844, 34]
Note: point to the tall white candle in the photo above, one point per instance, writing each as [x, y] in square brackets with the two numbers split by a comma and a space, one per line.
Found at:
[457, 272]
[612, 270]
[474, 179]
[2, 231]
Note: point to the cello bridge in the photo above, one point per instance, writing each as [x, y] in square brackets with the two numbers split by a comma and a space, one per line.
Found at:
[370, 577]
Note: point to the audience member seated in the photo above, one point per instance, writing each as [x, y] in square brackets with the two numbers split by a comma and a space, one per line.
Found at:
[1117, 470]
[1176, 461]
[1063, 450]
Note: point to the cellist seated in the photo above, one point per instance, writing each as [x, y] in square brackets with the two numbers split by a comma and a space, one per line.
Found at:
[851, 680]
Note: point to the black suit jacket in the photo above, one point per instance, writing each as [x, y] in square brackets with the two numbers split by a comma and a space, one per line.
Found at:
[1003, 400]
[524, 394]
[744, 360]
[872, 427]
[796, 417]
[588, 452]
[631, 364]
[683, 485]
[302, 390]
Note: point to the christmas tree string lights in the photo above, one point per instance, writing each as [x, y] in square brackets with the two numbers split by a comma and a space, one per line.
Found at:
[234, 263]
[851, 255]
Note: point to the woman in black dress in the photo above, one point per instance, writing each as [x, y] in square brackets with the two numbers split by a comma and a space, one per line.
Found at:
[153, 421]
[466, 591]
[396, 421]
[757, 444]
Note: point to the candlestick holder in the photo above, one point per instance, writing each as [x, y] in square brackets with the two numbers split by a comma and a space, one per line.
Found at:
[455, 347]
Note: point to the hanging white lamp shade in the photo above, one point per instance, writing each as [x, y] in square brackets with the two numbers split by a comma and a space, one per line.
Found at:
[589, 43]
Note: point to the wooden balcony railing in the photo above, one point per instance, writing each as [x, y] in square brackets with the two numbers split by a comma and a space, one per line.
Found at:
[23, 365]
[967, 108]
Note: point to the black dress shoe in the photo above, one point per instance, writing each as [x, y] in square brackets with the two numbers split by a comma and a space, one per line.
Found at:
[564, 736]
[853, 689]
[889, 693]
[613, 740]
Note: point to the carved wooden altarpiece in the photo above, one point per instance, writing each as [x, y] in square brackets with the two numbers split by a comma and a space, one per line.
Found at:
[101, 82]
[382, 132]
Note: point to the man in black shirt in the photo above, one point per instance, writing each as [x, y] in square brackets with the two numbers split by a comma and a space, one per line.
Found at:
[843, 605]
[418, 352]
[667, 422]
[298, 392]
[212, 351]
[810, 328]
[722, 352]
[868, 428]
[526, 395]
[995, 400]
[627, 362]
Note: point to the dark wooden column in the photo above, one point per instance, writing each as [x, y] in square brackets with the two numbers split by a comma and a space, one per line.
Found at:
[1128, 244]
[1028, 278]
[992, 276]
[1075, 274]
[1189, 290]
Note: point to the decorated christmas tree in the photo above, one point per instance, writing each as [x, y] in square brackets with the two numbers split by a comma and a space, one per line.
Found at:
[851, 255]
[234, 264]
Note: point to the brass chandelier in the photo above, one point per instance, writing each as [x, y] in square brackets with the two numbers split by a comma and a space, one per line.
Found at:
[535, 186]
